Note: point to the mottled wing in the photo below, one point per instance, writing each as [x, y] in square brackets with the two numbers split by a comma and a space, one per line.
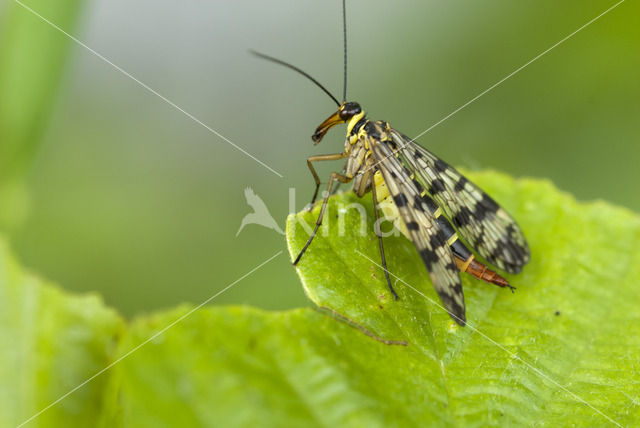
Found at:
[425, 233]
[476, 216]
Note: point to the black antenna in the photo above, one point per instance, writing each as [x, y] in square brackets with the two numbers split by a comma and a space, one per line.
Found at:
[344, 33]
[294, 68]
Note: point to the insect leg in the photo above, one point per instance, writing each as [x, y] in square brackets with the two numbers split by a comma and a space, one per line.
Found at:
[334, 176]
[333, 156]
[379, 234]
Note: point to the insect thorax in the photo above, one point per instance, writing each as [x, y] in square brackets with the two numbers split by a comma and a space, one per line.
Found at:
[361, 162]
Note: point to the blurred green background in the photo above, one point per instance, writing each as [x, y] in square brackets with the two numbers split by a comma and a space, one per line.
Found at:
[105, 187]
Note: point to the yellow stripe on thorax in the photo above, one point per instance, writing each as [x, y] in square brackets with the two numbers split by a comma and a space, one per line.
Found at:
[352, 122]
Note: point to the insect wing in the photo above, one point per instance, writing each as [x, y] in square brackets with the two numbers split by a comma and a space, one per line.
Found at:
[423, 230]
[476, 216]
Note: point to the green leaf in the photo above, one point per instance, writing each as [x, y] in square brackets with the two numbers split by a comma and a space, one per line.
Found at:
[32, 59]
[50, 342]
[569, 335]
[585, 267]
[245, 367]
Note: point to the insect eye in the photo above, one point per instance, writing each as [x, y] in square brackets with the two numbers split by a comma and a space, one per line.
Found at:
[349, 110]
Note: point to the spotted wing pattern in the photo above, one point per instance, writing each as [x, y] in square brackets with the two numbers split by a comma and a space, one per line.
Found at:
[423, 229]
[476, 216]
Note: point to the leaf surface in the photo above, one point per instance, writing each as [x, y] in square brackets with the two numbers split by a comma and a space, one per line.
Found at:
[50, 342]
[562, 351]
[567, 337]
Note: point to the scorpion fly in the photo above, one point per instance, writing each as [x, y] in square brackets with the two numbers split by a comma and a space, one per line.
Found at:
[442, 212]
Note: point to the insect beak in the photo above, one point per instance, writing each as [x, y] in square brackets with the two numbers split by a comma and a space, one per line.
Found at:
[329, 123]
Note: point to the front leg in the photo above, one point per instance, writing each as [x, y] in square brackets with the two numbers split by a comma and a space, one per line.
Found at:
[333, 156]
[334, 176]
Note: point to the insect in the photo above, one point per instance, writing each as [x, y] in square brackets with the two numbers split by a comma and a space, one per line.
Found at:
[437, 206]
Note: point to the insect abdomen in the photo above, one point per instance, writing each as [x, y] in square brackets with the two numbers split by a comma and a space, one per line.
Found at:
[464, 258]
